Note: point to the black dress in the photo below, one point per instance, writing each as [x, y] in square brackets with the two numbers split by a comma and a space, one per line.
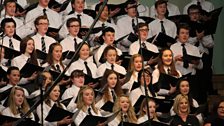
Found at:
[191, 121]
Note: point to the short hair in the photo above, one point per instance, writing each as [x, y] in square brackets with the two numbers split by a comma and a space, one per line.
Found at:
[73, 1]
[176, 103]
[108, 29]
[10, 69]
[130, 2]
[70, 20]
[182, 26]
[9, 1]
[77, 73]
[42, 17]
[159, 2]
[7, 20]
[193, 7]
[140, 25]
[97, 8]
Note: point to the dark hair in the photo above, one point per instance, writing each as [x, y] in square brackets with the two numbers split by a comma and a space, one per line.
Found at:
[159, 2]
[49, 59]
[172, 65]
[140, 25]
[70, 20]
[77, 73]
[78, 46]
[97, 8]
[130, 2]
[73, 1]
[146, 71]
[106, 51]
[47, 100]
[182, 26]
[107, 29]
[216, 106]
[42, 17]
[9, 1]
[193, 7]
[33, 55]
[7, 20]
[10, 69]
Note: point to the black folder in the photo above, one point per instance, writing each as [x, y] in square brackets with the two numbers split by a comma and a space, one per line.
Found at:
[162, 40]
[61, 113]
[121, 6]
[90, 120]
[28, 69]
[55, 74]
[178, 19]
[29, 8]
[197, 110]
[54, 4]
[191, 58]
[3, 75]
[89, 79]
[147, 54]
[94, 30]
[91, 13]
[41, 55]
[68, 100]
[108, 106]
[138, 103]
[163, 105]
[5, 94]
[132, 37]
[153, 123]
[68, 55]
[10, 53]
[7, 120]
[135, 85]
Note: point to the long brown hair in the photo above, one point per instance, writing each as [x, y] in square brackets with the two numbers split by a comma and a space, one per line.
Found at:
[117, 88]
[33, 55]
[47, 100]
[49, 59]
[12, 105]
[172, 65]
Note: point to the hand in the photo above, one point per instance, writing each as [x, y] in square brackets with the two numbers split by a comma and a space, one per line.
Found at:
[67, 120]
[152, 60]
[178, 58]
[33, 76]
[93, 85]
[20, 14]
[101, 124]
[172, 89]
[119, 62]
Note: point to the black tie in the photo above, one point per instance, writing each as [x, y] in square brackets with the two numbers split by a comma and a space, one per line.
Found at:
[168, 71]
[20, 111]
[103, 25]
[185, 65]
[10, 44]
[44, 11]
[75, 44]
[133, 24]
[162, 28]
[113, 95]
[89, 111]
[79, 17]
[87, 69]
[28, 60]
[43, 44]
[143, 45]
[58, 68]
[112, 66]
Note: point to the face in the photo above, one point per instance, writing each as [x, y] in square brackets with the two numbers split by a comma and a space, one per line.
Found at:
[78, 5]
[29, 46]
[88, 96]
[10, 8]
[57, 53]
[184, 87]
[167, 57]
[48, 78]
[220, 110]
[194, 15]
[9, 29]
[111, 56]
[152, 109]
[19, 97]
[183, 106]
[124, 104]
[104, 15]
[14, 77]
[55, 93]
[44, 3]
[42, 26]
[147, 79]
[112, 80]
[74, 28]
[78, 81]
[161, 9]
[138, 63]
[183, 35]
[144, 32]
[131, 11]
[84, 52]
[109, 38]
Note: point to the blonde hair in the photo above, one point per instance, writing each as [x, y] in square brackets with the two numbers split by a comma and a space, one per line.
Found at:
[177, 103]
[130, 113]
[80, 102]
[131, 67]
[12, 105]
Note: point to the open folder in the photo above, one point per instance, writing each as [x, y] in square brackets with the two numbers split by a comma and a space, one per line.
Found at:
[11, 121]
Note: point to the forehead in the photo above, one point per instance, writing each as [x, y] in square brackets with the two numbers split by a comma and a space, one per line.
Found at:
[123, 99]
[9, 24]
[15, 72]
[43, 21]
[10, 4]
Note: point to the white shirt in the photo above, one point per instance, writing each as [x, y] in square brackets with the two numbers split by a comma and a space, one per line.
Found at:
[155, 79]
[143, 119]
[86, 20]
[155, 27]
[99, 53]
[101, 102]
[15, 43]
[70, 92]
[191, 50]
[54, 65]
[102, 68]
[46, 110]
[19, 61]
[114, 122]
[7, 112]
[134, 48]
[79, 65]
[206, 5]
[47, 39]
[55, 20]
[68, 43]
[172, 8]
[130, 83]
[81, 116]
